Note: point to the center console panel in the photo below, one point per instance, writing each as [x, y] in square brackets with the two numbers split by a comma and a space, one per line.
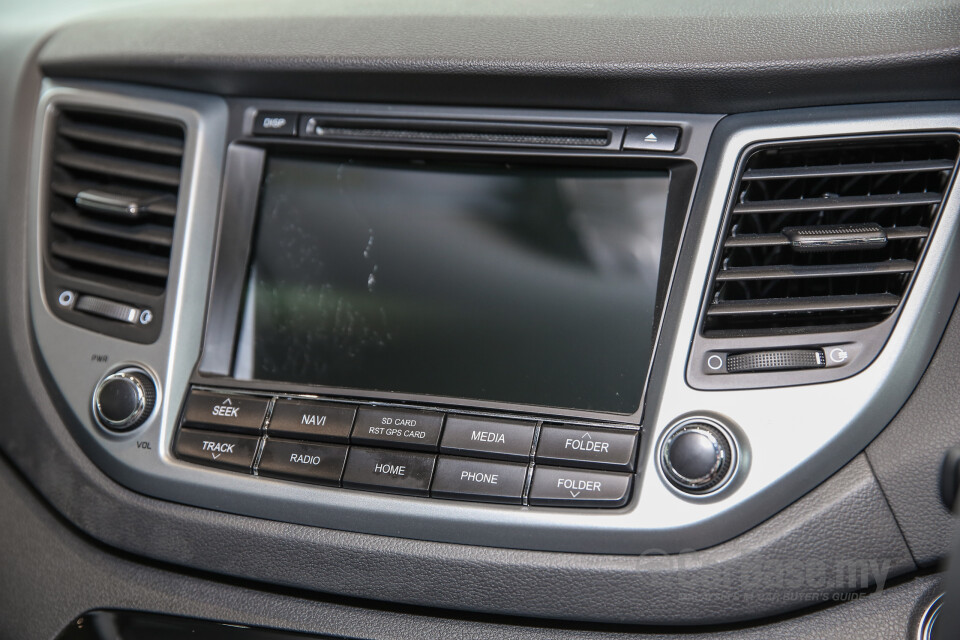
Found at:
[256, 413]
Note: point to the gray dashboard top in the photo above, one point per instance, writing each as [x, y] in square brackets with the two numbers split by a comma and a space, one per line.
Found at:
[695, 56]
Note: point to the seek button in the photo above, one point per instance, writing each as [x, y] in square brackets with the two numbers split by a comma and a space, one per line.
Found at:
[224, 412]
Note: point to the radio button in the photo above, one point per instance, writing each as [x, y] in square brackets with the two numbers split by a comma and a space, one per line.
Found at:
[304, 461]
[312, 420]
[586, 447]
[404, 428]
[554, 487]
[488, 437]
[224, 412]
[481, 480]
[224, 450]
[389, 471]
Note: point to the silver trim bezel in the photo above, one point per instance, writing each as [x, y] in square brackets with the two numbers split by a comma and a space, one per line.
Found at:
[929, 618]
[784, 453]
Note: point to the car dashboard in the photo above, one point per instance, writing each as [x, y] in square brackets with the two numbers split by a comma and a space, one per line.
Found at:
[371, 321]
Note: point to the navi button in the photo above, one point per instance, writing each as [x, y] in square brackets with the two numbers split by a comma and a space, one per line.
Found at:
[224, 450]
[224, 412]
[481, 480]
[405, 428]
[304, 461]
[577, 488]
[307, 420]
[586, 447]
[389, 471]
[488, 437]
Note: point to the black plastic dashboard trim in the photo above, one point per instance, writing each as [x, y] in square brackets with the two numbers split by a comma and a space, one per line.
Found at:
[57, 574]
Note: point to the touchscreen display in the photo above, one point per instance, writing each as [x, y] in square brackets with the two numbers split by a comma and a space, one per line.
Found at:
[503, 283]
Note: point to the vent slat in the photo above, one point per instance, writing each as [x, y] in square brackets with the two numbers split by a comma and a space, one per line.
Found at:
[751, 240]
[907, 233]
[161, 203]
[144, 233]
[804, 305]
[119, 167]
[816, 271]
[122, 138]
[111, 258]
[833, 171]
[830, 204]
[826, 235]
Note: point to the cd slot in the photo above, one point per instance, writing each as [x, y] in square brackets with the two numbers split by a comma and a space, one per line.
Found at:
[448, 132]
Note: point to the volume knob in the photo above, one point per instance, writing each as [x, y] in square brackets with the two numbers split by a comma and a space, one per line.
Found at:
[125, 399]
[697, 457]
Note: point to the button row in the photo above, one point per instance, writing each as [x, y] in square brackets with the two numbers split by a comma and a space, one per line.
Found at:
[394, 450]
[404, 472]
[414, 429]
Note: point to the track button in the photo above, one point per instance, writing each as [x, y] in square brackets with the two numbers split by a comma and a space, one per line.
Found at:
[224, 450]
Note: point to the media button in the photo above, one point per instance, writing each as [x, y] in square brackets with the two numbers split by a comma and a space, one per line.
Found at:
[224, 450]
[553, 487]
[481, 480]
[488, 437]
[390, 427]
[389, 471]
[305, 420]
[587, 447]
[304, 461]
[225, 411]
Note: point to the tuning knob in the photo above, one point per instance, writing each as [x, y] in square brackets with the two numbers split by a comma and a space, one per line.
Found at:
[125, 399]
[697, 457]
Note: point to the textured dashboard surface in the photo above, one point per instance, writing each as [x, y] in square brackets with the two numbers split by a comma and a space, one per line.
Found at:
[698, 55]
[56, 575]
[907, 455]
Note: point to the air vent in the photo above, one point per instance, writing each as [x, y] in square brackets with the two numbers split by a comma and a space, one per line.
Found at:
[827, 235]
[111, 206]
